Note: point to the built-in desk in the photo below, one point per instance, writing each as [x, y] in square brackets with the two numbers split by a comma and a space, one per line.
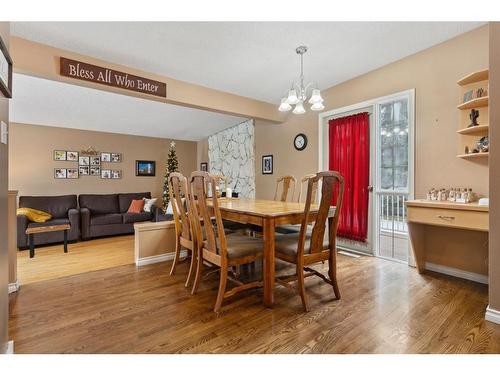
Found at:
[423, 214]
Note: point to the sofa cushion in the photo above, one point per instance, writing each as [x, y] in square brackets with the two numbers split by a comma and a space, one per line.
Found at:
[136, 206]
[106, 219]
[126, 198]
[129, 218]
[48, 223]
[58, 206]
[100, 204]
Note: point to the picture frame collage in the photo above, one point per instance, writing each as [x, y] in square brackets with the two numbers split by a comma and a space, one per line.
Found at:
[89, 164]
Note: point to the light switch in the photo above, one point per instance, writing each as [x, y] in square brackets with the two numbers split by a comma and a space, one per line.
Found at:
[3, 133]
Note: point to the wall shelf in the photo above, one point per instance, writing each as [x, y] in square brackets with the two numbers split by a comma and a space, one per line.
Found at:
[474, 103]
[479, 155]
[475, 130]
[475, 77]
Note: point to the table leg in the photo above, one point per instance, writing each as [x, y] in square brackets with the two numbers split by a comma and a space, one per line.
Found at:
[66, 241]
[31, 241]
[269, 265]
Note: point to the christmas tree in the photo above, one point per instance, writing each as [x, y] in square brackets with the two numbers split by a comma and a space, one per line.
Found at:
[172, 166]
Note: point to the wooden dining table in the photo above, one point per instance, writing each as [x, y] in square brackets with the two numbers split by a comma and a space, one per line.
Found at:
[266, 214]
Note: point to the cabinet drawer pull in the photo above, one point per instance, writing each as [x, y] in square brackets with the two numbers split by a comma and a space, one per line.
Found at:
[446, 217]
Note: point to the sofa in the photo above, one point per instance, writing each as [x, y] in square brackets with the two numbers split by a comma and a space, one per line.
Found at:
[64, 210]
[106, 214]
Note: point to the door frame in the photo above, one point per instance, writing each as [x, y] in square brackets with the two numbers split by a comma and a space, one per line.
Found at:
[323, 118]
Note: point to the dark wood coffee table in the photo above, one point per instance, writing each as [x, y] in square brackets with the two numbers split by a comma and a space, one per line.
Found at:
[50, 228]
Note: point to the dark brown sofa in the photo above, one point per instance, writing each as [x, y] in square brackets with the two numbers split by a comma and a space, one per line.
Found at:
[63, 209]
[106, 214]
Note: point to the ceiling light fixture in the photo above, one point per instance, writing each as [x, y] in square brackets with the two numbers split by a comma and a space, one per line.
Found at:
[298, 92]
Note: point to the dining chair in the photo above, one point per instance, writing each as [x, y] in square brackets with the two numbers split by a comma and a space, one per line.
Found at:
[311, 246]
[179, 192]
[214, 245]
[285, 182]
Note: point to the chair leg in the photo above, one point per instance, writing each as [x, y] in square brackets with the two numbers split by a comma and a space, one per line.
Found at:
[302, 287]
[176, 255]
[332, 272]
[199, 270]
[191, 268]
[222, 289]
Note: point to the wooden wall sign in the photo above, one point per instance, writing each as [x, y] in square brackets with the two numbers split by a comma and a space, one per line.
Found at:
[92, 73]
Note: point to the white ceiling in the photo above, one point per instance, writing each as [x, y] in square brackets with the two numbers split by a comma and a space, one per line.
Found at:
[253, 59]
[43, 102]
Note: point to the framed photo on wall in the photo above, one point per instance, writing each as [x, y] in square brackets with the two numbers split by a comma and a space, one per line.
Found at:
[72, 173]
[116, 174]
[59, 173]
[83, 170]
[105, 174]
[267, 164]
[5, 71]
[84, 160]
[95, 171]
[204, 167]
[116, 158]
[95, 160]
[106, 157]
[72, 155]
[146, 168]
[59, 155]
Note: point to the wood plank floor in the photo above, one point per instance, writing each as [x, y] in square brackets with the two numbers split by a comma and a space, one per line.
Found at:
[50, 262]
[386, 307]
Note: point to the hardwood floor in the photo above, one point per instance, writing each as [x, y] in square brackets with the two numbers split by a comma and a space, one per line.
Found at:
[51, 263]
[386, 307]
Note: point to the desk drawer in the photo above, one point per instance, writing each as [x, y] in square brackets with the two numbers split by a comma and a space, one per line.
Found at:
[464, 219]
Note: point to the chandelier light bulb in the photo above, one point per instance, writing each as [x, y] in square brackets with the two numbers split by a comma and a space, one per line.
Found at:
[292, 97]
[299, 109]
[317, 106]
[316, 97]
[284, 106]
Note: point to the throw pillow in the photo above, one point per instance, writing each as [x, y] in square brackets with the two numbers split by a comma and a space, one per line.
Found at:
[34, 215]
[136, 206]
[149, 203]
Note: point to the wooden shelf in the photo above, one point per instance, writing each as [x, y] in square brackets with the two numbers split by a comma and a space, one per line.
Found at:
[479, 76]
[475, 130]
[474, 103]
[479, 155]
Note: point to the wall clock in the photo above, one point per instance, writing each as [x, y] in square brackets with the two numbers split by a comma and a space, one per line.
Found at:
[300, 142]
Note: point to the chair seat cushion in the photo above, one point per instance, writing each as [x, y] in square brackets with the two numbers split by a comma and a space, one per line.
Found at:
[129, 217]
[287, 244]
[240, 246]
[106, 219]
[48, 223]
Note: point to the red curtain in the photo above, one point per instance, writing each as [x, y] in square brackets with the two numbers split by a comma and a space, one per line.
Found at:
[349, 154]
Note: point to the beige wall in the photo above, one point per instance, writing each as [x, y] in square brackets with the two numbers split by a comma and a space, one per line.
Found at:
[4, 262]
[31, 164]
[494, 235]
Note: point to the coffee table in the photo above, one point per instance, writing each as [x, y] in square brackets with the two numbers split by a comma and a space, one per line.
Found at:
[49, 228]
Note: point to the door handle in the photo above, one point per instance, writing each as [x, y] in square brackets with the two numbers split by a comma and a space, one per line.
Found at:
[370, 188]
[446, 217]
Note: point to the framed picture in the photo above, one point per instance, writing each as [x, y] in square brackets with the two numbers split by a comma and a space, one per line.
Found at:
[116, 174]
[5, 71]
[204, 167]
[116, 158]
[467, 96]
[72, 173]
[95, 171]
[83, 160]
[105, 173]
[59, 173]
[83, 170]
[106, 157]
[95, 160]
[145, 168]
[72, 155]
[59, 155]
[267, 164]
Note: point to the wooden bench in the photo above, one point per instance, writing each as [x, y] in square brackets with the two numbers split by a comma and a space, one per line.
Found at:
[50, 228]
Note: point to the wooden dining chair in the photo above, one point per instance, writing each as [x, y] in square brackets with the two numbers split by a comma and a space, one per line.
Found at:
[214, 246]
[179, 193]
[308, 247]
[221, 179]
[288, 184]
[304, 183]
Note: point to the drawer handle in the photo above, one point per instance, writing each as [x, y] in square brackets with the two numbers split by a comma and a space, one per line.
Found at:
[446, 217]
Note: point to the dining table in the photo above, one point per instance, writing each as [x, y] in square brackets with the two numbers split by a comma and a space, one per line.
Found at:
[267, 214]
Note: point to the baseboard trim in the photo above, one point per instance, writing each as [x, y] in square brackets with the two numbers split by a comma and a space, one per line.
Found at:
[10, 347]
[14, 287]
[492, 315]
[477, 277]
[157, 258]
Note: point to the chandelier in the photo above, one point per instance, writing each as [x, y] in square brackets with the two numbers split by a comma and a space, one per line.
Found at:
[298, 92]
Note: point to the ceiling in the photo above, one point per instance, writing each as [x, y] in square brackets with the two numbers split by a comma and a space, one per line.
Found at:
[253, 59]
[44, 102]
